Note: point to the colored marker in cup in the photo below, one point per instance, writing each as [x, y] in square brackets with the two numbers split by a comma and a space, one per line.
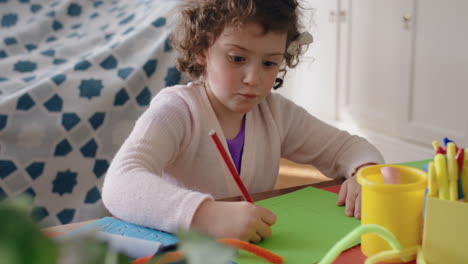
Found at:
[390, 175]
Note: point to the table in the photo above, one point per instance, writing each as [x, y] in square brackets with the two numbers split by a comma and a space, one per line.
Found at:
[278, 192]
[352, 255]
[55, 230]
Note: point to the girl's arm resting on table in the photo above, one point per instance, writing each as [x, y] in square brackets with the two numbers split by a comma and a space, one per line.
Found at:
[334, 152]
[356, 155]
[142, 197]
[241, 220]
[306, 139]
[134, 189]
[350, 194]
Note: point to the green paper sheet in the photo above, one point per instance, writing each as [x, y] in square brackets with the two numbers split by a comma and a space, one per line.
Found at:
[420, 164]
[308, 224]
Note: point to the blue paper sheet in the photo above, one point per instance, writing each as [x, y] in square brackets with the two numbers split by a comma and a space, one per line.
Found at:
[118, 227]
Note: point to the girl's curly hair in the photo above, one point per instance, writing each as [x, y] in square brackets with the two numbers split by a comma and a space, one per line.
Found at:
[201, 19]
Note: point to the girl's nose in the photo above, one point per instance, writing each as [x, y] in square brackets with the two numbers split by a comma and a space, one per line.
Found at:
[252, 75]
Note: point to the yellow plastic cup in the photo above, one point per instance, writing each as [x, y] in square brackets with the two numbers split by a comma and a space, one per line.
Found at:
[397, 207]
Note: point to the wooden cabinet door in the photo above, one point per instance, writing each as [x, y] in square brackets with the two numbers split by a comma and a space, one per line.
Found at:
[405, 69]
[438, 96]
[377, 75]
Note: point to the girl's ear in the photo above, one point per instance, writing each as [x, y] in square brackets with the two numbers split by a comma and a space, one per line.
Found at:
[201, 58]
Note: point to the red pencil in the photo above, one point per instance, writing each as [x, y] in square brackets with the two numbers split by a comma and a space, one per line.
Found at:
[230, 166]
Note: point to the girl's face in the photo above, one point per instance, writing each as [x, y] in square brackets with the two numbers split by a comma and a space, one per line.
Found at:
[241, 67]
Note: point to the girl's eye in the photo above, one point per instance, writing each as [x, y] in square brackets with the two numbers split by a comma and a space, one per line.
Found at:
[269, 64]
[236, 59]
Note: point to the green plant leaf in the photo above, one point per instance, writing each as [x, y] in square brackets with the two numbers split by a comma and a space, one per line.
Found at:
[21, 241]
[199, 248]
[87, 249]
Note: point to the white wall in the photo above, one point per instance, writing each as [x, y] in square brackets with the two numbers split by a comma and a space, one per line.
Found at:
[322, 86]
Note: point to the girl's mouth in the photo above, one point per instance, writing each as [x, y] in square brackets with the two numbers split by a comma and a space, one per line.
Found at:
[249, 96]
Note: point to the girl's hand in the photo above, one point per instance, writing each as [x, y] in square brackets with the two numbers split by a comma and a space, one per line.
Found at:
[241, 220]
[350, 194]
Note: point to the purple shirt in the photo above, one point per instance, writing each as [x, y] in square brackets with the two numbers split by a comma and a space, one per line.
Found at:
[236, 146]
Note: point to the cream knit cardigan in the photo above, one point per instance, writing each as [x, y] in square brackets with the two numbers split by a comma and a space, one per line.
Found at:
[168, 165]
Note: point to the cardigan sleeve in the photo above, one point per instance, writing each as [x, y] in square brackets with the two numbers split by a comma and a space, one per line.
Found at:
[134, 188]
[306, 139]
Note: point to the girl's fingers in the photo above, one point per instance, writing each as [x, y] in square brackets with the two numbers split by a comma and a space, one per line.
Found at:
[255, 238]
[264, 230]
[268, 216]
[342, 195]
[350, 203]
[357, 208]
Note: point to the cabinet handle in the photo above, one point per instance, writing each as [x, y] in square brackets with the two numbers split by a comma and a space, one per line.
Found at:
[407, 20]
[332, 16]
[342, 16]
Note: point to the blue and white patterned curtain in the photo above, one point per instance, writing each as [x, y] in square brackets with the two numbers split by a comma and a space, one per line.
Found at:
[74, 77]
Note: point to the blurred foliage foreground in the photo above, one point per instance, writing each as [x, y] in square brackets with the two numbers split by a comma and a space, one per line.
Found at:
[22, 242]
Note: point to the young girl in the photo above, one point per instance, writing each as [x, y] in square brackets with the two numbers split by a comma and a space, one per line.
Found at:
[168, 172]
